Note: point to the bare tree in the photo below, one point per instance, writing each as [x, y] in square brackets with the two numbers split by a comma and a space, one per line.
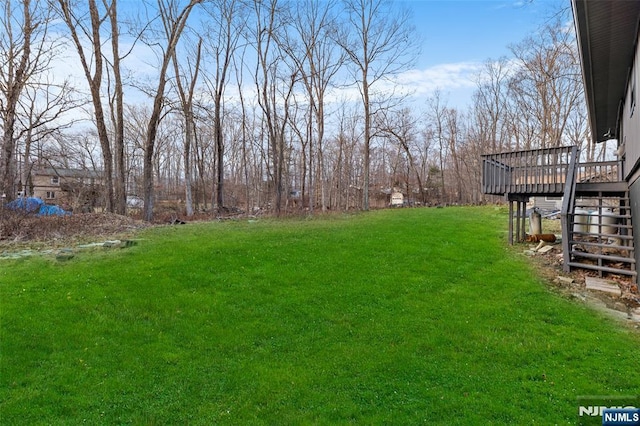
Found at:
[300, 122]
[490, 104]
[437, 114]
[136, 119]
[315, 56]
[203, 152]
[222, 41]
[378, 42]
[174, 20]
[26, 51]
[116, 103]
[343, 159]
[100, 67]
[92, 62]
[454, 134]
[186, 101]
[402, 127]
[43, 105]
[547, 86]
[274, 87]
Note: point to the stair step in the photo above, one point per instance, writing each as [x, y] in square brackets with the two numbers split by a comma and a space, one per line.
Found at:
[614, 205]
[605, 206]
[611, 215]
[595, 235]
[603, 245]
[603, 234]
[603, 269]
[608, 257]
[605, 225]
[595, 198]
[604, 196]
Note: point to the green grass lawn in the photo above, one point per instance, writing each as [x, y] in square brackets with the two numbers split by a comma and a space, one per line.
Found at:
[397, 317]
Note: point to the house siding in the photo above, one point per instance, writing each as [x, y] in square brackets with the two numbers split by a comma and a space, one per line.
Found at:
[634, 195]
[42, 184]
[69, 188]
[630, 139]
[630, 123]
[547, 203]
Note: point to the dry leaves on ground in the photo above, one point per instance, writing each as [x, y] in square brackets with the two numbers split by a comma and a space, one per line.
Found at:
[20, 228]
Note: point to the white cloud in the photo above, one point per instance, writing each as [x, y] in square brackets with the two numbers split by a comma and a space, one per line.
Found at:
[460, 78]
[443, 77]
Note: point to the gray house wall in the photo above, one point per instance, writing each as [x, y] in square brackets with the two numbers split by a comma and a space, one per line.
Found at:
[547, 203]
[630, 143]
[630, 122]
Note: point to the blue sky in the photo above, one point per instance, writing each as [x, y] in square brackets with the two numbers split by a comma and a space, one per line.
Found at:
[472, 30]
[458, 36]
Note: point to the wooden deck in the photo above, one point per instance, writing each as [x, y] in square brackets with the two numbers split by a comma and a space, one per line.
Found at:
[543, 172]
[592, 193]
[533, 172]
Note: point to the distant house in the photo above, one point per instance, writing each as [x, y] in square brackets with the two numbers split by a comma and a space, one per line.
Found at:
[549, 203]
[73, 188]
[397, 199]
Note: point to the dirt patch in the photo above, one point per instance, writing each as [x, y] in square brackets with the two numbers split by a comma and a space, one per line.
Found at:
[549, 265]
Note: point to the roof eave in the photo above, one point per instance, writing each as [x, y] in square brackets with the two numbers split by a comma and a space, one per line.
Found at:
[582, 38]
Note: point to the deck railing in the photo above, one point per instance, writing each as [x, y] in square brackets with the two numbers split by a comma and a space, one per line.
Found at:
[568, 202]
[542, 171]
[603, 171]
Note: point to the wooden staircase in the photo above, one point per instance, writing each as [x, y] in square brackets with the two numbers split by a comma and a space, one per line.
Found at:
[597, 232]
[600, 233]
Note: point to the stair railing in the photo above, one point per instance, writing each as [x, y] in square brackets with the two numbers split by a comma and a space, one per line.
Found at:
[568, 202]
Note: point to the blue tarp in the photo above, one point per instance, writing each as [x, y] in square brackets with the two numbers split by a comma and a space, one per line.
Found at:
[37, 206]
[47, 210]
[28, 204]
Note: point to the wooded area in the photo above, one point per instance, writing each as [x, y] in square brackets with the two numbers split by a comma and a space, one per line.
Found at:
[265, 104]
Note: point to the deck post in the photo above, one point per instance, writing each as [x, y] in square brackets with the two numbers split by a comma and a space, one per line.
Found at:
[524, 217]
[519, 218]
[557, 172]
[520, 211]
[510, 222]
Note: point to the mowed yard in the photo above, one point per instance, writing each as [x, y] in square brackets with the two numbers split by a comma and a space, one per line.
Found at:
[389, 317]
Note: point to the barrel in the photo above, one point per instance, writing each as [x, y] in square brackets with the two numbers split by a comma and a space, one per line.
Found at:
[535, 222]
[581, 220]
[607, 220]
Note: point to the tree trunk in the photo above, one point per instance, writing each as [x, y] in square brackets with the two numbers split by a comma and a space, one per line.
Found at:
[188, 137]
[367, 141]
[120, 195]
[173, 28]
[219, 142]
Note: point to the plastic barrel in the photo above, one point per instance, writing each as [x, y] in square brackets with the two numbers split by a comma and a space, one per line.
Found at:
[581, 220]
[535, 223]
[607, 222]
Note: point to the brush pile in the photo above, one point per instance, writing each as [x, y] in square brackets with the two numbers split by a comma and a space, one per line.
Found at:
[19, 227]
